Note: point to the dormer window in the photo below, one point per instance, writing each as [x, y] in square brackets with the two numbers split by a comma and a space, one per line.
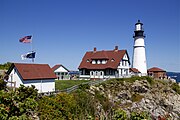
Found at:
[88, 60]
[104, 61]
[98, 62]
[112, 60]
[93, 62]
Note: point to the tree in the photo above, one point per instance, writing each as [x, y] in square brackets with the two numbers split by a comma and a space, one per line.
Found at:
[5, 66]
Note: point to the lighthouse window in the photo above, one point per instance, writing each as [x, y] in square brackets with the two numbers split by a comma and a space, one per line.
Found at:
[138, 27]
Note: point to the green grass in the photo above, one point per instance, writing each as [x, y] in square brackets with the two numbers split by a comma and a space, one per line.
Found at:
[63, 84]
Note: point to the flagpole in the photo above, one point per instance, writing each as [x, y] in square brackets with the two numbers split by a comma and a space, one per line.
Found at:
[28, 39]
[32, 49]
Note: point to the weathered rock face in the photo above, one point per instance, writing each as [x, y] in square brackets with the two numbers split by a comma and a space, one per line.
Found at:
[158, 99]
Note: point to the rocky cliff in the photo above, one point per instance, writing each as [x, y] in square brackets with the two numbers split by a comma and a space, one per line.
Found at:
[159, 98]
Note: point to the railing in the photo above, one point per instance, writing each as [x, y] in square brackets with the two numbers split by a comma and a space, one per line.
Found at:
[73, 88]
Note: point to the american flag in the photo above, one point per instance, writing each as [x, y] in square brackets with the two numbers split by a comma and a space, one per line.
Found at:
[26, 39]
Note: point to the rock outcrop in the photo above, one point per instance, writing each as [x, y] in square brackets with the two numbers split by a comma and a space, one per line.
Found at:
[158, 99]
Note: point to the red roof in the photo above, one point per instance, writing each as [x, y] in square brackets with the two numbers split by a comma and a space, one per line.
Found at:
[33, 71]
[57, 66]
[155, 69]
[113, 58]
[134, 70]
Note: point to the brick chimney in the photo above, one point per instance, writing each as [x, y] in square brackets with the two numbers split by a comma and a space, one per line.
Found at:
[94, 49]
[116, 48]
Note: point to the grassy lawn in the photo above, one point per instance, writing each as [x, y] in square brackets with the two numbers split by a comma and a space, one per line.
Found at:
[63, 84]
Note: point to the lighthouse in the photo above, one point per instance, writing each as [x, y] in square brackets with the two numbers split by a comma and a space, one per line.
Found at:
[139, 54]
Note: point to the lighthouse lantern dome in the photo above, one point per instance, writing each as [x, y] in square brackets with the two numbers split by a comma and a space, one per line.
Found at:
[138, 26]
[139, 31]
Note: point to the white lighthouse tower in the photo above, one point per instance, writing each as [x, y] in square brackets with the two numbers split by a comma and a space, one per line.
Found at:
[139, 54]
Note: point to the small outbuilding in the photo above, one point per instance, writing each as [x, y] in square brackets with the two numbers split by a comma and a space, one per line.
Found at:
[39, 75]
[134, 72]
[61, 72]
[157, 73]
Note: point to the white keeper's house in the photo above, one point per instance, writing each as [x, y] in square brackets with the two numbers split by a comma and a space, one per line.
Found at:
[61, 72]
[39, 75]
[105, 64]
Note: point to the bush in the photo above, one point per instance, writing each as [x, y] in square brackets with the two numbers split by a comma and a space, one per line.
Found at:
[176, 87]
[84, 86]
[149, 79]
[2, 84]
[140, 116]
[85, 105]
[119, 115]
[19, 104]
[61, 106]
[104, 101]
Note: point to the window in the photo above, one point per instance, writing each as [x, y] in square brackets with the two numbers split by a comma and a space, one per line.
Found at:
[112, 60]
[88, 60]
[14, 70]
[98, 62]
[101, 73]
[93, 62]
[120, 64]
[91, 73]
[104, 61]
[126, 71]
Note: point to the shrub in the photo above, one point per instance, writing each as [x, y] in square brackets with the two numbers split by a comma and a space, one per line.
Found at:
[84, 105]
[176, 87]
[139, 116]
[84, 86]
[19, 104]
[103, 100]
[119, 115]
[2, 84]
[61, 106]
[149, 79]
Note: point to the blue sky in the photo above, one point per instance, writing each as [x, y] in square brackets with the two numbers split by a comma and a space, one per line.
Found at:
[63, 30]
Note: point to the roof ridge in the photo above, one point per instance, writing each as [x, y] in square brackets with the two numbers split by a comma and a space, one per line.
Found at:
[106, 50]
